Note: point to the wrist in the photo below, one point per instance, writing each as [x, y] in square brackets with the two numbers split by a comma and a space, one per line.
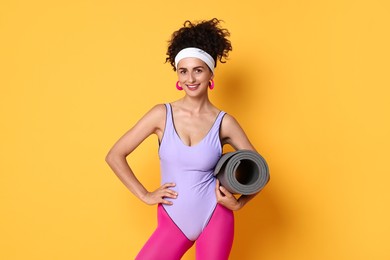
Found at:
[143, 196]
[240, 202]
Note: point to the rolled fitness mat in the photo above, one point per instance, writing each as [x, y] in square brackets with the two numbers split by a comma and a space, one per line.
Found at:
[242, 172]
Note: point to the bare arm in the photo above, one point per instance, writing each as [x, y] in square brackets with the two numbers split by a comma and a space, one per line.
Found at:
[234, 135]
[150, 123]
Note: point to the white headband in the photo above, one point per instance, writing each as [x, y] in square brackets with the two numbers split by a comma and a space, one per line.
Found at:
[195, 53]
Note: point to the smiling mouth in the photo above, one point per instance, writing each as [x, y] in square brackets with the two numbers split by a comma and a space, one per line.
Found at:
[193, 87]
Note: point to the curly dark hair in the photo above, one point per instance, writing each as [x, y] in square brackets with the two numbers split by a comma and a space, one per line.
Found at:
[205, 35]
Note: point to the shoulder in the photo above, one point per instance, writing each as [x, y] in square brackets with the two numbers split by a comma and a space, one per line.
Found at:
[232, 133]
[155, 117]
[157, 111]
[229, 121]
[229, 126]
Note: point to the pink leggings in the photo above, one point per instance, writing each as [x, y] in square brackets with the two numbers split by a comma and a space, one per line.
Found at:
[168, 241]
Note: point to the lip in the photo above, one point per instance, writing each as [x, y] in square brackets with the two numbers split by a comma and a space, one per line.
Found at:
[193, 86]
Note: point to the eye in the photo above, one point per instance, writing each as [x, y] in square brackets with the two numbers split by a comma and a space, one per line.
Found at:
[182, 71]
[198, 70]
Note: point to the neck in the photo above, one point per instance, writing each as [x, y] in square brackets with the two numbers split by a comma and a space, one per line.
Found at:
[196, 104]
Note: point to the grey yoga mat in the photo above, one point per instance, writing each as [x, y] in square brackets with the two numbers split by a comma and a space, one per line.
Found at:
[242, 172]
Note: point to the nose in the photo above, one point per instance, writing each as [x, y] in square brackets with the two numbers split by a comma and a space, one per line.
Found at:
[191, 78]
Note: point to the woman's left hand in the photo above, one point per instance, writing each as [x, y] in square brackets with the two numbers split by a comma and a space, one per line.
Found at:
[225, 198]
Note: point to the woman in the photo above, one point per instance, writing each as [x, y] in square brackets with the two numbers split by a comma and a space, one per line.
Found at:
[192, 206]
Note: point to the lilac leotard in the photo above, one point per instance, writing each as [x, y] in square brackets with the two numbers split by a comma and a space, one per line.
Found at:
[191, 168]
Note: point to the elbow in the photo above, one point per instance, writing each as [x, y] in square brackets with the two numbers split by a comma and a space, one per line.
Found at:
[114, 157]
[109, 157]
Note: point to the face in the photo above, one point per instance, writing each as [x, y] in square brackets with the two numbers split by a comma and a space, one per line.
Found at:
[194, 75]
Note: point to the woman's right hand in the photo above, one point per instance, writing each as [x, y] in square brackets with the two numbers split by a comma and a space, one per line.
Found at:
[159, 195]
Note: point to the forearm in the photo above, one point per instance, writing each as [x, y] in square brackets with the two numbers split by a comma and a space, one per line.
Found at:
[122, 170]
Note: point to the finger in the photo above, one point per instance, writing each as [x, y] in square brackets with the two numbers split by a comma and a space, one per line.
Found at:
[169, 191]
[218, 189]
[170, 194]
[225, 191]
[168, 184]
[218, 192]
[217, 184]
[166, 202]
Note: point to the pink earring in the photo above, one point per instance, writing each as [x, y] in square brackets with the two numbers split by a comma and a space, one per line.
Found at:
[177, 86]
[211, 84]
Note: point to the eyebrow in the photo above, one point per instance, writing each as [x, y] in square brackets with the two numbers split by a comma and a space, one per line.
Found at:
[197, 67]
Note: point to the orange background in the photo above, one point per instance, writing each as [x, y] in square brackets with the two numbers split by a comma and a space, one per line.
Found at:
[307, 80]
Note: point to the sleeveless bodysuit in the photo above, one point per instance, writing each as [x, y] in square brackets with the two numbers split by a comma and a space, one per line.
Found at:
[191, 168]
